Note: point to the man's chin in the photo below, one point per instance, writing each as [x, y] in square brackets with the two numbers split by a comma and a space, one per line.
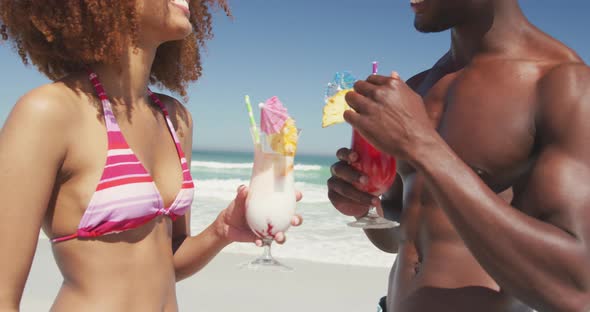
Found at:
[420, 29]
[420, 26]
[428, 28]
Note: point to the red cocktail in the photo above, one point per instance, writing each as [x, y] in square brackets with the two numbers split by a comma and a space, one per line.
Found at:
[380, 171]
[377, 166]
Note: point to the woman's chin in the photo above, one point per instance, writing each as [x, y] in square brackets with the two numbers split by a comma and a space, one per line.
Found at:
[178, 33]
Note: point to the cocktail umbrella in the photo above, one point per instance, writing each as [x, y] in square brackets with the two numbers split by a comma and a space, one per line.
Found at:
[272, 116]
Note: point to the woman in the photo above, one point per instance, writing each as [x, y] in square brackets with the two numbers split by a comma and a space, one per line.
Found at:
[97, 161]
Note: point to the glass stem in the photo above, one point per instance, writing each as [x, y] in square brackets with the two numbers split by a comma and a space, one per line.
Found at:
[372, 213]
[266, 242]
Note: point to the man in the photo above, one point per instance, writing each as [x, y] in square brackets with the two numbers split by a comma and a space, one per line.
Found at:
[493, 144]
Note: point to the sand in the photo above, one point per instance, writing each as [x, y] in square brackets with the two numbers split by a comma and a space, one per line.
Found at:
[223, 286]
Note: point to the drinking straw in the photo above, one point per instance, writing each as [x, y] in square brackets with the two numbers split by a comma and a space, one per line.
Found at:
[255, 134]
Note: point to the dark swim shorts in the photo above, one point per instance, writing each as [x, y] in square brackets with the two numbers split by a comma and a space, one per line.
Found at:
[382, 305]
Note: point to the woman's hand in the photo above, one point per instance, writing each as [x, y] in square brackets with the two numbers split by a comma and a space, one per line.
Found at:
[231, 224]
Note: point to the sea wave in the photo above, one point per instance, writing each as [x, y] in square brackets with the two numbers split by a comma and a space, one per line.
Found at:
[220, 165]
[313, 193]
[225, 189]
[223, 165]
[220, 189]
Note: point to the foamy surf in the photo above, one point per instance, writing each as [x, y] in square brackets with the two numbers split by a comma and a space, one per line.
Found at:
[225, 190]
[221, 165]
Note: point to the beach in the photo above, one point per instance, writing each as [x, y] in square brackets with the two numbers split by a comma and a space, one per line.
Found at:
[336, 267]
[223, 286]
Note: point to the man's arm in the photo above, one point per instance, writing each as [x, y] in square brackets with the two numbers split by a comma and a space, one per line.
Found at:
[392, 201]
[391, 204]
[546, 264]
[352, 202]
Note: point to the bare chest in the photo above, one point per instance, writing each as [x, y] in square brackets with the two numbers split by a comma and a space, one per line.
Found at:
[487, 119]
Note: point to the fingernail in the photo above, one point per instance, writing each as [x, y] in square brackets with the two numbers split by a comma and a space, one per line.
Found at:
[241, 188]
[363, 180]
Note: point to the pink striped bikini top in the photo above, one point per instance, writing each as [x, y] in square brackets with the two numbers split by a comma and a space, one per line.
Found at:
[126, 196]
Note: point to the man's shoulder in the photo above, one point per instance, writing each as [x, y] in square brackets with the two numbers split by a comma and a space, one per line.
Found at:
[566, 72]
[439, 69]
[567, 81]
[415, 81]
[564, 96]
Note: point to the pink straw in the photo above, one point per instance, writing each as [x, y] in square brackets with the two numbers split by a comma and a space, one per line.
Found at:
[375, 68]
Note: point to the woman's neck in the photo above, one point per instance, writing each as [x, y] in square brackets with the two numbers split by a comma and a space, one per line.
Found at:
[126, 83]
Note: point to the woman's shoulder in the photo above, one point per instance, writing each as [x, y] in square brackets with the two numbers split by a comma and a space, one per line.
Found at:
[179, 114]
[49, 103]
[44, 119]
[181, 119]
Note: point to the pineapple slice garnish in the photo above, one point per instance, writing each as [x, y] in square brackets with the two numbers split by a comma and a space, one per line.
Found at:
[285, 142]
[335, 108]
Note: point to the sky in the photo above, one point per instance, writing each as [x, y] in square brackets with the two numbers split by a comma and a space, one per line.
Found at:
[291, 49]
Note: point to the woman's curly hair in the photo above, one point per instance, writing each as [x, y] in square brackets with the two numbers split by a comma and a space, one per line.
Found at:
[63, 36]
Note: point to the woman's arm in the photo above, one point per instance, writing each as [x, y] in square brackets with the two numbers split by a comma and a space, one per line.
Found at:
[230, 226]
[192, 253]
[196, 252]
[183, 122]
[32, 148]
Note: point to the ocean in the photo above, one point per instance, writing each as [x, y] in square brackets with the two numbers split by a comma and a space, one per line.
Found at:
[323, 236]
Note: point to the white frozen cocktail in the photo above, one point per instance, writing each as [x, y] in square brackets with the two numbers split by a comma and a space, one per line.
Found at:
[271, 201]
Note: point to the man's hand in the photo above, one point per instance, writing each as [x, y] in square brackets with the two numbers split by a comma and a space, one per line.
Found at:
[342, 192]
[390, 115]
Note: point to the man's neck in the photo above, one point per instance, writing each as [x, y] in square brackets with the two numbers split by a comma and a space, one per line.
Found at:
[496, 28]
